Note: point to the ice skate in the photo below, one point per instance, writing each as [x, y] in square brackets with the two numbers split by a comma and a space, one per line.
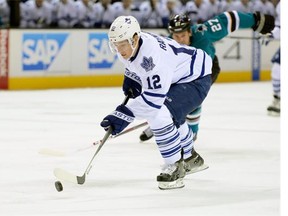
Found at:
[274, 108]
[172, 176]
[146, 134]
[195, 163]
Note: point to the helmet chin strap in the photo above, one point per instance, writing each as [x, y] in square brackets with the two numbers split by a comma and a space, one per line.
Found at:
[133, 48]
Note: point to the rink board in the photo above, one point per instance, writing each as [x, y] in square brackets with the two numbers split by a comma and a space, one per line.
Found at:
[43, 59]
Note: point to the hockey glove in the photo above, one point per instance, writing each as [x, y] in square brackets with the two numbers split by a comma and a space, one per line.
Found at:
[118, 120]
[263, 23]
[131, 87]
[265, 39]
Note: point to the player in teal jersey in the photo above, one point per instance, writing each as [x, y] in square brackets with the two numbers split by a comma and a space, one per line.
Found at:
[203, 35]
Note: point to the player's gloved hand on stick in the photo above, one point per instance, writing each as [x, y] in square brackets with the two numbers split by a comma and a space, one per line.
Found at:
[118, 119]
[131, 87]
[265, 39]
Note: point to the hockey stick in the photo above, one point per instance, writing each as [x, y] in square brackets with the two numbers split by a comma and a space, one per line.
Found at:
[124, 132]
[59, 153]
[245, 38]
[67, 176]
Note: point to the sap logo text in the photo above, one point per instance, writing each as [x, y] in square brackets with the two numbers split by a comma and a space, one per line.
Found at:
[40, 50]
[100, 55]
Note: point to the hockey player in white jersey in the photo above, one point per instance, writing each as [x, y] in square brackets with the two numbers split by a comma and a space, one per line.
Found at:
[167, 81]
[37, 14]
[105, 13]
[275, 108]
[86, 14]
[265, 6]
[4, 13]
[66, 14]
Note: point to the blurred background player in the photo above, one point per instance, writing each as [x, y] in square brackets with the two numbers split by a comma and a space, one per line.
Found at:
[66, 14]
[86, 14]
[151, 11]
[265, 6]
[36, 14]
[198, 11]
[4, 13]
[217, 7]
[126, 8]
[105, 13]
[274, 108]
[242, 5]
[203, 35]
[170, 9]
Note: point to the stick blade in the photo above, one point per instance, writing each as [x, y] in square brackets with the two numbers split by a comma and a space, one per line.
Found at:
[51, 152]
[69, 177]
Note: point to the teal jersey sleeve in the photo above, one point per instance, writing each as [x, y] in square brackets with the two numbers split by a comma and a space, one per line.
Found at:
[201, 41]
[227, 22]
[203, 35]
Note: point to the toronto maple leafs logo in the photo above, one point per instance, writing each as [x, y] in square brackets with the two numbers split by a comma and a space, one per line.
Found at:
[147, 63]
[128, 20]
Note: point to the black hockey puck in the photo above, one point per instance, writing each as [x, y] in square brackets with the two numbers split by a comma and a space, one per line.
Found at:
[58, 186]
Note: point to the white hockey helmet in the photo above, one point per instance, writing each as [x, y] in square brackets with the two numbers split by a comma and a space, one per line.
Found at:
[123, 28]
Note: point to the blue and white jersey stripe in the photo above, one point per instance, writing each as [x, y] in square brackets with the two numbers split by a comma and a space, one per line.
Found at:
[148, 97]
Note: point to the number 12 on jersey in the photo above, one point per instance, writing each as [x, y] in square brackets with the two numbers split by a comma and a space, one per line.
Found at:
[154, 82]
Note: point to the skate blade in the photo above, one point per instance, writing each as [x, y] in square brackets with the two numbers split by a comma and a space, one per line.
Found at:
[198, 169]
[273, 113]
[171, 185]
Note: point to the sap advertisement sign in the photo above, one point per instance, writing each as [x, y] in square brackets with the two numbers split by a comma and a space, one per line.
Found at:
[40, 50]
[99, 54]
[68, 52]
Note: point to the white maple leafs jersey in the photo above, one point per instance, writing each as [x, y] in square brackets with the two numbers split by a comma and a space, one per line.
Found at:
[159, 63]
[35, 17]
[4, 13]
[86, 13]
[276, 30]
[66, 14]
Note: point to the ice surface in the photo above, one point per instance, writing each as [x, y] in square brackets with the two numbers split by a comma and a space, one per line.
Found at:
[237, 139]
